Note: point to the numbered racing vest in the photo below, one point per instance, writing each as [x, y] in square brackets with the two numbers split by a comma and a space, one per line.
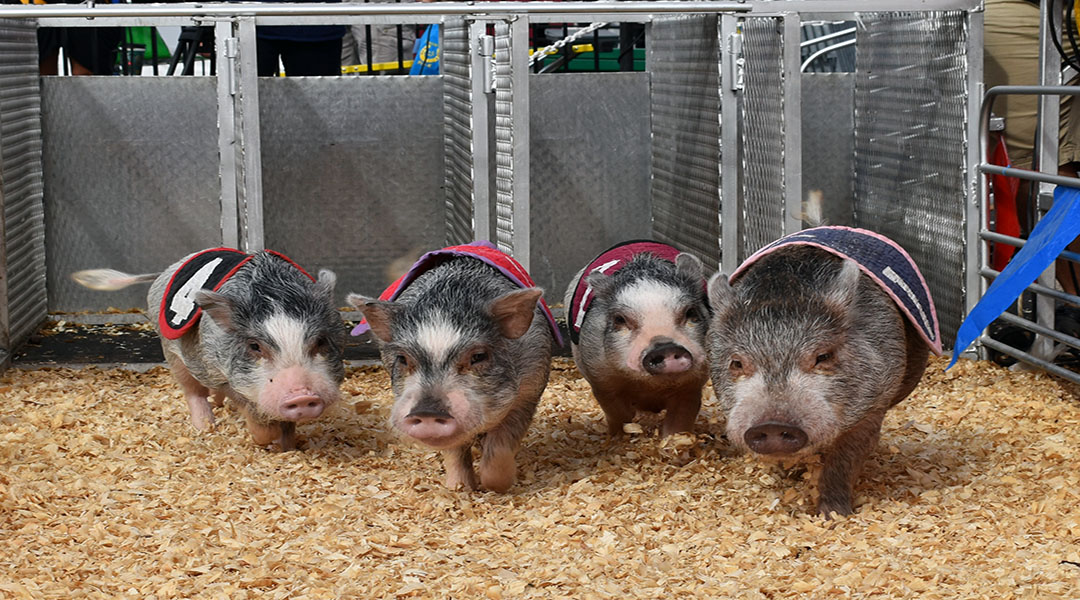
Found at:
[207, 270]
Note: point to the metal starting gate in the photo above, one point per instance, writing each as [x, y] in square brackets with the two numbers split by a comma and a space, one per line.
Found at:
[714, 148]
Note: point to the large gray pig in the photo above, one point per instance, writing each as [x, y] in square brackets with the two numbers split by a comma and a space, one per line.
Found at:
[273, 341]
[467, 341]
[637, 317]
[813, 339]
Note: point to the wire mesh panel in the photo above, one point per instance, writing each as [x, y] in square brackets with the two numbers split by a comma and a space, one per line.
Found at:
[457, 131]
[20, 181]
[762, 134]
[910, 144]
[504, 139]
[684, 65]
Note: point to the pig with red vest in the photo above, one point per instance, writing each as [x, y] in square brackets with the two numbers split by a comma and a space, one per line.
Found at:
[256, 328]
[467, 339]
[813, 339]
[637, 317]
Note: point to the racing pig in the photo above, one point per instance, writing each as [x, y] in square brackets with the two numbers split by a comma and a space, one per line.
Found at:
[814, 338]
[637, 317]
[273, 340]
[467, 341]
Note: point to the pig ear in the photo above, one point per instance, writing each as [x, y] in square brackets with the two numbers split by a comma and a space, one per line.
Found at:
[843, 288]
[688, 265]
[326, 282]
[601, 283]
[219, 307]
[379, 314]
[721, 294]
[513, 311]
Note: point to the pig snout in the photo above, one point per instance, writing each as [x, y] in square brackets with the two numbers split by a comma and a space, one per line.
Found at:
[295, 394]
[302, 406]
[430, 422]
[775, 438]
[667, 357]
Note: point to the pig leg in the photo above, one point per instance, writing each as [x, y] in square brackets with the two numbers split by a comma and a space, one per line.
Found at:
[681, 414]
[263, 433]
[842, 462]
[202, 416]
[498, 448]
[459, 469]
[217, 397]
[287, 441]
[617, 410]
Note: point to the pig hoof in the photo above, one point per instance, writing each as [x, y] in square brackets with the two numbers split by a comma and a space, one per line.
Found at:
[203, 422]
[838, 507]
[459, 484]
[497, 482]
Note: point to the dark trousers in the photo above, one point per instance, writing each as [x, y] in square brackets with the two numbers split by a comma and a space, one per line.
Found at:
[299, 58]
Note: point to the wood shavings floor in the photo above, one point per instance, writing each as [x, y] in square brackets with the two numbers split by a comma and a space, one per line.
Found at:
[106, 491]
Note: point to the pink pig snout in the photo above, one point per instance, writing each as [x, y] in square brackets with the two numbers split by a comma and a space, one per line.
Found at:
[294, 394]
[667, 357]
[302, 407]
[431, 423]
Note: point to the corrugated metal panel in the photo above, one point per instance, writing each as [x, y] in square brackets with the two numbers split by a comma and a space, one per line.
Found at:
[684, 65]
[911, 143]
[353, 173]
[762, 134]
[131, 179]
[457, 132]
[21, 181]
[589, 169]
[504, 140]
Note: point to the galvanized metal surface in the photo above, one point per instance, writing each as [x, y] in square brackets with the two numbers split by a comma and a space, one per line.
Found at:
[131, 179]
[504, 140]
[22, 283]
[684, 61]
[590, 169]
[828, 164]
[353, 173]
[910, 169]
[456, 65]
[763, 134]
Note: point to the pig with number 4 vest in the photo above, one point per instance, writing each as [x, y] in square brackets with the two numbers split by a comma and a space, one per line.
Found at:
[813, 338]
[467, 341]
[254, 327]
[637, 317]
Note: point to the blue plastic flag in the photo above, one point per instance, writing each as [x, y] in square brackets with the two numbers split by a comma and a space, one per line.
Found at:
[426, 61]
[1059, 227]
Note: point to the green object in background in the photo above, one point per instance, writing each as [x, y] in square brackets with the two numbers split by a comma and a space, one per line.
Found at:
[609, 61]
[141, 36]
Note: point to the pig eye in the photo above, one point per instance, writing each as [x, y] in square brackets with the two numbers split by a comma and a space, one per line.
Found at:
[478, 357]
[692, 315]
[618, 320]
[736, 364]
[823, 357]
[255, 348]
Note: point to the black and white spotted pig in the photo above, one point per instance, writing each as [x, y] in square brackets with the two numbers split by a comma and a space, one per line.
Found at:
[269, 337]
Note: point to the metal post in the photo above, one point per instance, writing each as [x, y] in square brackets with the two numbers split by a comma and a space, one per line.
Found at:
[1046, 157]
[730, 201]
[519, 76]
[975, 203]
[226, 45]
[483, 50]
[792, 60]
[250, 196]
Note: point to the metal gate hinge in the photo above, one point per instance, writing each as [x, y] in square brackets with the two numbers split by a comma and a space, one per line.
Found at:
[734, 61]
[485, 47]
[232, 51]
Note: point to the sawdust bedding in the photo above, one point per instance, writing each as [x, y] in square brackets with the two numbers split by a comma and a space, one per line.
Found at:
[106, 491]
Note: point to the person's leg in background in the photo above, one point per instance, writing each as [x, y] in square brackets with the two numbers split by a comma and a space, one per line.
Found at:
[311, 58]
